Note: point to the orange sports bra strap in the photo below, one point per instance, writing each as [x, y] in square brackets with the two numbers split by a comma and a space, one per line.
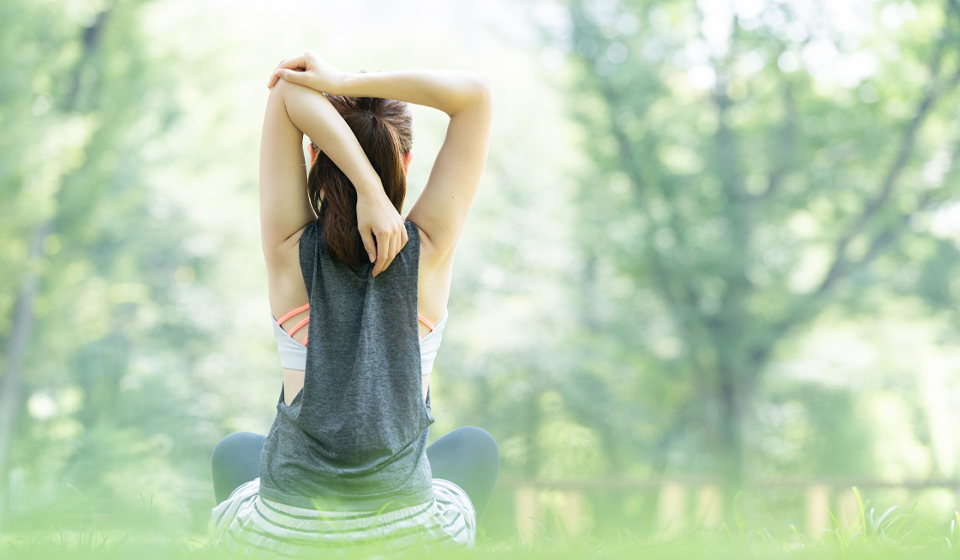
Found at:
[281, 320]
[306, 320]
[426, 322]
[299, 325]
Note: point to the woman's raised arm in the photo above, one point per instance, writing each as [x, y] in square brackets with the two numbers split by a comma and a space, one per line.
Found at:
[284, 207]
[442, 209]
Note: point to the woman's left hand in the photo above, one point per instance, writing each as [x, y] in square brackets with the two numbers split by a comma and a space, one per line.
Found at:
[381, 228]
[309, 70]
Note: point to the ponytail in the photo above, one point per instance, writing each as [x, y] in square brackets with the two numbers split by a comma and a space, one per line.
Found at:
[384, 129]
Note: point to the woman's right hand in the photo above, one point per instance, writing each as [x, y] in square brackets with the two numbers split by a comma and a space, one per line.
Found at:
[308, 70]
[381, 228]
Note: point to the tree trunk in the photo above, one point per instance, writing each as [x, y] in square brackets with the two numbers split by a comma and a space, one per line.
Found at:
[730, 452]
[11, 384]
[731, 434]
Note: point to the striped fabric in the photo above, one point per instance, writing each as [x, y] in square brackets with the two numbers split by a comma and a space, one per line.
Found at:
[245, 522]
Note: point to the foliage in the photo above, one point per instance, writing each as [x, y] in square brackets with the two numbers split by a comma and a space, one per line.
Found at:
[753, 166]
[711, 237]
[87, 100]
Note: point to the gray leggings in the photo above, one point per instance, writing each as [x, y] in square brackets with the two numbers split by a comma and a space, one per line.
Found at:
[468, 457]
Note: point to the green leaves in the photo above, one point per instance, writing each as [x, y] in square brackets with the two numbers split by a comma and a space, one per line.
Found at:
[776, 158]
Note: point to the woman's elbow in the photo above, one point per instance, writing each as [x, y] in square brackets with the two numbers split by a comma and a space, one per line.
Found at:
[483, 87]
[474, 92]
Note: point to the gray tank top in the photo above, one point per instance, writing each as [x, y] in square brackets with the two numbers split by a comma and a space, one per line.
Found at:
[355, 437]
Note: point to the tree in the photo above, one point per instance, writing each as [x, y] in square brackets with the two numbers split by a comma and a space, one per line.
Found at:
[752, 169]
[88, 269]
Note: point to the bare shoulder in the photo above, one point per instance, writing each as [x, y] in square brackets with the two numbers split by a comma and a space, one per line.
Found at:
[434, 277]
[432, 256]
[284, 277]
[281, 252]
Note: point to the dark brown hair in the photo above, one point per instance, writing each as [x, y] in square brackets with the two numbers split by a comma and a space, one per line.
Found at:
[384, 128]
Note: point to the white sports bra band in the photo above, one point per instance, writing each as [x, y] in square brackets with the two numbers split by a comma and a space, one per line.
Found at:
[293, 354]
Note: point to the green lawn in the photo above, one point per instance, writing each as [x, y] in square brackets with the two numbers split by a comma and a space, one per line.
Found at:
[888, 534]
[119, 546]
[914, 541]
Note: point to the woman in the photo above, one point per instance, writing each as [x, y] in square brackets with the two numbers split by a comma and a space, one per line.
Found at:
[358, 298]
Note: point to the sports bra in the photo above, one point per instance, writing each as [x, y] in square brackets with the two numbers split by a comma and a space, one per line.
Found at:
[293, 354]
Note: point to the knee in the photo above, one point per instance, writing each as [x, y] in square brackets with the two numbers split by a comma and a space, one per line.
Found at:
[483, 442]
[234, 444]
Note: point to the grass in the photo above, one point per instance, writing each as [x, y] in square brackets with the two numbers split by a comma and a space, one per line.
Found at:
[875, 535]
[81, 546]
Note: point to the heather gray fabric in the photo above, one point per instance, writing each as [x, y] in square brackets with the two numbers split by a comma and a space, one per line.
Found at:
[355, 438]
[468, 457]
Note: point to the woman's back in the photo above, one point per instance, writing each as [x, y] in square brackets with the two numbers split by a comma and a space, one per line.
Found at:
[355, 435]
[288, 292]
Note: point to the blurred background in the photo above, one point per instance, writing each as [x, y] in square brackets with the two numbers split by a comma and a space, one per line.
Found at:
[712, 270]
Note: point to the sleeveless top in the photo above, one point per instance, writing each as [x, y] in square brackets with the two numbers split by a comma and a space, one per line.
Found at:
[355, 437]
